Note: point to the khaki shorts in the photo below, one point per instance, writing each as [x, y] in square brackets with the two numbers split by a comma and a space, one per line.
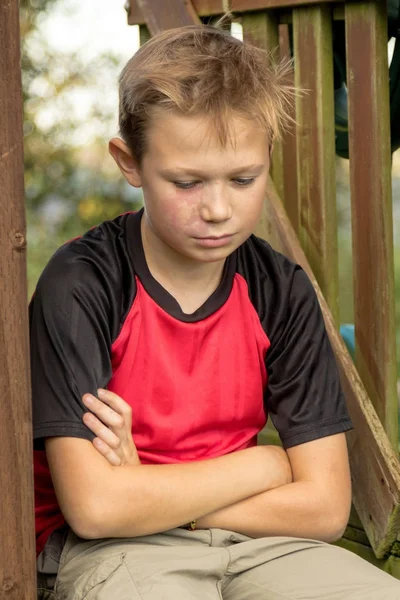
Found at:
[214, 564]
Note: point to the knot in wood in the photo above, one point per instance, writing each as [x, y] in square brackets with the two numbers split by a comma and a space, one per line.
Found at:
[7, 584]
[18, 240]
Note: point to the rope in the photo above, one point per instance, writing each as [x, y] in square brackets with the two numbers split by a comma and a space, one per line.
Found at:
[226, 6]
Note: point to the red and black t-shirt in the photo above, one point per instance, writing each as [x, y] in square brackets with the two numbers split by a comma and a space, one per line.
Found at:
[200, 385]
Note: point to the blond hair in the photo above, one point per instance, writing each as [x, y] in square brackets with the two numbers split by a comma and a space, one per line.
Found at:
[202, 70]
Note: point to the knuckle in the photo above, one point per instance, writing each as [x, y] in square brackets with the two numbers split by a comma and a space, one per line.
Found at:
[119, 421]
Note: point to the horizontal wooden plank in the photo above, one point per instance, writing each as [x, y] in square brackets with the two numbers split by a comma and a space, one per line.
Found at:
[205, 8]
[371, 199]
[374, 464]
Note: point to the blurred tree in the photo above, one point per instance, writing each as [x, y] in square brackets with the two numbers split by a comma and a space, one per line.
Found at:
[70, 185]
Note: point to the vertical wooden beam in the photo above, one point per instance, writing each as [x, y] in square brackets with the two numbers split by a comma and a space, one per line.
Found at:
[289, 147]
[370, 181]
[144, 34]
[17, 547]
[312, 30]
[166, 14]
[262, 30]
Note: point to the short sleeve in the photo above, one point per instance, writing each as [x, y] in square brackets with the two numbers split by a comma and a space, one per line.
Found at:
[304, 397]
[72, 317]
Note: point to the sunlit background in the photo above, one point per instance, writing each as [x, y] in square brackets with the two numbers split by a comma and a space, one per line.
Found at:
[73, 52]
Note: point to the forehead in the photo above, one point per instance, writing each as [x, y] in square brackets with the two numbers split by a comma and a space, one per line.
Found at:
[176, 140]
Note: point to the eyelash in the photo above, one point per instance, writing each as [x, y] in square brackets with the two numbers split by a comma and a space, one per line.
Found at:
[188, 185]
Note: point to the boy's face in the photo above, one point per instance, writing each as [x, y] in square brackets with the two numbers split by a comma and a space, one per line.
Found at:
[202, 200]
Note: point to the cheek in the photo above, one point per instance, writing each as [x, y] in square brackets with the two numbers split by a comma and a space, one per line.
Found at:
[179, 211]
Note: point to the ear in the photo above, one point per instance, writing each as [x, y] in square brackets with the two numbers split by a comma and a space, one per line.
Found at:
[271, 149]
[126, 162]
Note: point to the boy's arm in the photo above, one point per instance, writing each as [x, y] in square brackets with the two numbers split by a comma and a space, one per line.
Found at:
[99, 500]
[316, 505]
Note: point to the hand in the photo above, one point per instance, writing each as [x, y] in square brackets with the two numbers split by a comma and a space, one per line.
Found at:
[110, 420]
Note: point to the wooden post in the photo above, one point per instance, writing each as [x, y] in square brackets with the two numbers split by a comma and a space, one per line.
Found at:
[312, 32]
[371, 199]
[17, 546]
[261, 29]
[289, 147]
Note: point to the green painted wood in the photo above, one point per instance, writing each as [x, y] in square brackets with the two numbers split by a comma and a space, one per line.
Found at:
[144, 34]
[312, 32]
[370, 181]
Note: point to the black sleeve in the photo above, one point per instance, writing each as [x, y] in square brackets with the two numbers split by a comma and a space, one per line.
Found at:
[73, 318]
[304, 396]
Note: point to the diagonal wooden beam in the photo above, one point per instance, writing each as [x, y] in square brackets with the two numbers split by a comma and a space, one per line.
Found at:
[375, 466]
[167, 14]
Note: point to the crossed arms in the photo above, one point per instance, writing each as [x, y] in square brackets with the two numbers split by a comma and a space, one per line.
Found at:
[104, 491]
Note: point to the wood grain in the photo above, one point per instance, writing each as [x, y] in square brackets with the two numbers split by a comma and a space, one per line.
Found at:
[375, 466]
[17, 546]
[315, 135]
[261, 29]
[206, 8]
[371, 199]
[166, 14]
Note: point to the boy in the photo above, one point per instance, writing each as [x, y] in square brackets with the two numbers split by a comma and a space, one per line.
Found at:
[198, 330]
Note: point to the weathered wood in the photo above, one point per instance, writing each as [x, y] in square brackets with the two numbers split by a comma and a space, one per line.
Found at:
[374, 464]
[315, 135]
[206, 8]
[166, 14]
[144, 34]
[290, 197]
[261, 30]
[370, 181]
[17, 546]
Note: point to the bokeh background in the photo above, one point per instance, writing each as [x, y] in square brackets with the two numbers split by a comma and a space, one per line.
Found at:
[72, 53]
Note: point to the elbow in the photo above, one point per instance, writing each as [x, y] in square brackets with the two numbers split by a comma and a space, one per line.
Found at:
[333, 525]
[87, 521]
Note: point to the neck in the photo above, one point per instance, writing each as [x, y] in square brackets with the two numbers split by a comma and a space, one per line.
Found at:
[179, 275]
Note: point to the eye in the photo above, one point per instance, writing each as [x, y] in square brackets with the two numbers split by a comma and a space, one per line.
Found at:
[185, 185]
[244, 181]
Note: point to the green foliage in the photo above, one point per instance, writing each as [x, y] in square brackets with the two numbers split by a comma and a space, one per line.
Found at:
[71, 183]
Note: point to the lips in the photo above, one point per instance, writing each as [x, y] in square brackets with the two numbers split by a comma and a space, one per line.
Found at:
[215, 237]
[214, 241]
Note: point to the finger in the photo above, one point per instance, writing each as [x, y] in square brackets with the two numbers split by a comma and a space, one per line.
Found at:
[107, 452]
[117, 404]
[105, 413]
[101, 431]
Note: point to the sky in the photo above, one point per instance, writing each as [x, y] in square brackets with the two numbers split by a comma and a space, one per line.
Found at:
[91, 26]
[88, 28]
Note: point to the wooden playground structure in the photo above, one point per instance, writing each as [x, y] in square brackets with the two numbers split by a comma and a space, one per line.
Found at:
[299, 219]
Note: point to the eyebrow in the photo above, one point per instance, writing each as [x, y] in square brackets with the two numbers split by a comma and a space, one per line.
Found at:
[254, 169]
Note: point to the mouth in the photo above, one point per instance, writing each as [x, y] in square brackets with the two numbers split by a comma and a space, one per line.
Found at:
[215, 241]
[215, 237]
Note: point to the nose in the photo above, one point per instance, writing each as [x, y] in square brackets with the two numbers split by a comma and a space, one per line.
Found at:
[215, 204]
